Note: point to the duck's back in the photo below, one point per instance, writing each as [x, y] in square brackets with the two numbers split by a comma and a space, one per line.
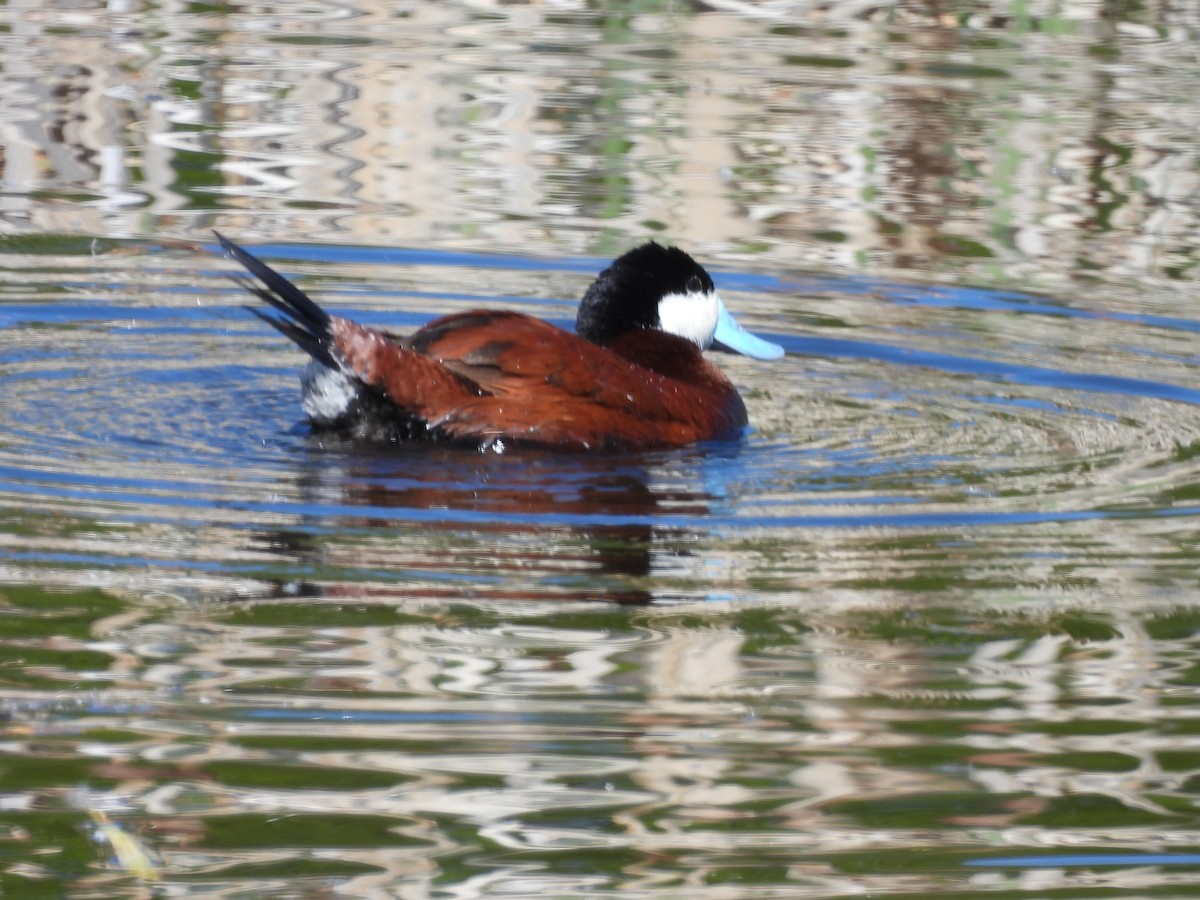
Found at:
[490, 376]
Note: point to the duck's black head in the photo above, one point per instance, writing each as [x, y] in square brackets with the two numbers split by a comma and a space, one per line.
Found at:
[660, 287]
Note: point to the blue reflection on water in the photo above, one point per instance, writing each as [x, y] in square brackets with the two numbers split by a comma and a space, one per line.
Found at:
[956, 297]
[1088, 859]
[1033, 376]
[949, 296]
[84, 487]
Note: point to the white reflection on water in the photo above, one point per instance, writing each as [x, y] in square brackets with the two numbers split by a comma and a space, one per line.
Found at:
[998, 144]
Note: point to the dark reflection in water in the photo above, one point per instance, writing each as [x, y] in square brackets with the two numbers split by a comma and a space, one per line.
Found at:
[557, 527]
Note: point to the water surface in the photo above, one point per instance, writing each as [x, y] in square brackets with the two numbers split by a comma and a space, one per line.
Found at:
[930, 628]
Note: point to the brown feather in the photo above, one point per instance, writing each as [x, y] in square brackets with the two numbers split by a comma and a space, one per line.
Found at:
[488, 375]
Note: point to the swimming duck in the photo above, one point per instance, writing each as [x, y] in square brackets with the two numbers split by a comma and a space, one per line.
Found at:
[633, 376]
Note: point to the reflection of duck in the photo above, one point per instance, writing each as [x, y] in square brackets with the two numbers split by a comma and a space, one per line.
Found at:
[633, 377]
[431, 523]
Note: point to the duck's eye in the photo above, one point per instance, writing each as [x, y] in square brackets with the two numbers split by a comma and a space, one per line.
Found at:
[694, 285]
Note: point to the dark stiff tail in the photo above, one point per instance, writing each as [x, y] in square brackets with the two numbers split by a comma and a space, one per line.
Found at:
[303, 322]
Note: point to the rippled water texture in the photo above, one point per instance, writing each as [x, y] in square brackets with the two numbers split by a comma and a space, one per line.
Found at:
[930, 629]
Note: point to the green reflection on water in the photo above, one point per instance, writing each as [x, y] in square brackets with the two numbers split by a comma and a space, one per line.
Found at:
[302, 869]
[42, 632]
[1094, 811]
[65, 851]
[242, 831]
[276, 775]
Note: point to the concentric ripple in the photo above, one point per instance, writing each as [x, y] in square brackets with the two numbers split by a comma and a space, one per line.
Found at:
[171, 416]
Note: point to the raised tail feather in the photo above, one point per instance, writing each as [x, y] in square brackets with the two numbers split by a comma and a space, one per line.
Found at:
[303, 321]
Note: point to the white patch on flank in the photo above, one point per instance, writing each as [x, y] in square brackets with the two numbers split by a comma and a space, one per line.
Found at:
[328, 392]
[692, 315]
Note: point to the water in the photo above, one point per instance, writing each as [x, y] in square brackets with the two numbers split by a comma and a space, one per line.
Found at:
[931, 628]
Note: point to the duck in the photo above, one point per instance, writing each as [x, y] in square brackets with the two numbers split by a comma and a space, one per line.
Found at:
[633, 375]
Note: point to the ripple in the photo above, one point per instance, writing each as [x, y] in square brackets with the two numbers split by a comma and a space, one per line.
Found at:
[152, 412]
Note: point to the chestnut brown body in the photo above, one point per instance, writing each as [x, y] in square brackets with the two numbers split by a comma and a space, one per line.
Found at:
[486, 376]
[498, 378]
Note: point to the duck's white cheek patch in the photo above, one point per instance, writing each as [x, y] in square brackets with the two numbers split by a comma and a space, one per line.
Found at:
[328, 393]
[691, 316]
